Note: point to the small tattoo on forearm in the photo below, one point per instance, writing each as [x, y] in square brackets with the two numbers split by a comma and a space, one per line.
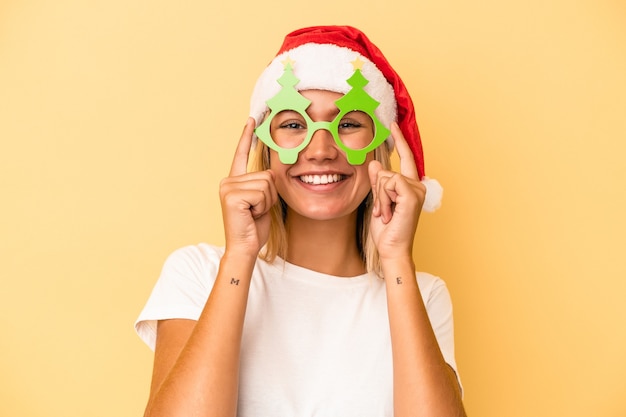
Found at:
[234, 281]
[398, 280]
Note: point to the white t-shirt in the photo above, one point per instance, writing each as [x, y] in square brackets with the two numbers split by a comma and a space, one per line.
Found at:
[313, 344]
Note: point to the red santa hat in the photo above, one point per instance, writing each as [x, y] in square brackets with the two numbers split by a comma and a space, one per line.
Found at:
[323, 57]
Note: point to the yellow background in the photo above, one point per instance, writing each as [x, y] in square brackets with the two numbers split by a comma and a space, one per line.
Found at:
[118, 118]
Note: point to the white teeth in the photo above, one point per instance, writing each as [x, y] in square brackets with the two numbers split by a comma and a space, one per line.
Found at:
[321, 179]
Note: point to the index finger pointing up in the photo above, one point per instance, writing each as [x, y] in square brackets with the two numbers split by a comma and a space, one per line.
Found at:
[407, 161]
[240, 160]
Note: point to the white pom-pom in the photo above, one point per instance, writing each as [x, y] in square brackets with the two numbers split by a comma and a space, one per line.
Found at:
[434, 194]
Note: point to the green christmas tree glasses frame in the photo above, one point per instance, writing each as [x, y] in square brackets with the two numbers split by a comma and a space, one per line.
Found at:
[356, 100]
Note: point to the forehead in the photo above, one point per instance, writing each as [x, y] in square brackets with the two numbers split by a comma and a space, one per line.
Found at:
[315, 93]
[322, 103]
[321, 97]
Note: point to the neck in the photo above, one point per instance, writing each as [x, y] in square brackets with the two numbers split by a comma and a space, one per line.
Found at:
[326, 246]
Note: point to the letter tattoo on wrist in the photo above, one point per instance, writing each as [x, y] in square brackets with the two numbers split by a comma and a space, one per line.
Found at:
[399, 280]
[234, 281]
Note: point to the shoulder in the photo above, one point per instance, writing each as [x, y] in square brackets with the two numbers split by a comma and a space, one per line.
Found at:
[188, 273]
[193, 260]
[200, 263]
[429, 283]
[435, 293]
[181, 291]
[196, 255]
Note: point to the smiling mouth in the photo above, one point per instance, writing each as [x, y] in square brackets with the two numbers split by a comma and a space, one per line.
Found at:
[322, 179]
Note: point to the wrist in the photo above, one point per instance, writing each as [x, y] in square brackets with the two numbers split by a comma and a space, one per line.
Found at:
[238, 259]
[396, 252]
[397, 266]
[241, 252]
[399, 259]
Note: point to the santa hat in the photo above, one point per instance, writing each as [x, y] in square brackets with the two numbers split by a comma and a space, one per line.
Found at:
[323, 57]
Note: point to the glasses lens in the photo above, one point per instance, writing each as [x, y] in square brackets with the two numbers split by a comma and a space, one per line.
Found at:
[288, 129]
[356, 130]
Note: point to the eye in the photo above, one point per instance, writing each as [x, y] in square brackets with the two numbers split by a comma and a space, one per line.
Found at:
[355, 120]
[289, 120]
[292, 124]
[348, 124]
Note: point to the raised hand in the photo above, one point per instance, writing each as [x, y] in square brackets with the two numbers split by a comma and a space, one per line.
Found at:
[246, 199]
[398, 200]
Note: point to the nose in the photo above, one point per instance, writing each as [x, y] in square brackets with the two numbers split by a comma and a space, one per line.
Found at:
[322, 146]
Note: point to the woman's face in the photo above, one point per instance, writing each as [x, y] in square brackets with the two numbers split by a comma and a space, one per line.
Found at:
[321, 185]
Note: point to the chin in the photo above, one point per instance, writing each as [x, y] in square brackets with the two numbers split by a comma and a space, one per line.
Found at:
[323, 212]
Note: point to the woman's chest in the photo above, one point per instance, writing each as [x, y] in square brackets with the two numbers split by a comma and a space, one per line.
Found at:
[316, 353]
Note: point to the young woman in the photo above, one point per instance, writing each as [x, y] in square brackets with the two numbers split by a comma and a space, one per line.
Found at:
[313, 307]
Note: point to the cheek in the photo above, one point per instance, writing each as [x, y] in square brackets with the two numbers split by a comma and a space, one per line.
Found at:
[364, 175]
[274, 162]
[280, 171]
[364, 178]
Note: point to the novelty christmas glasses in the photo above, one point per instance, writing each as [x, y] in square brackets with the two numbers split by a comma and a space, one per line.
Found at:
[288, 128]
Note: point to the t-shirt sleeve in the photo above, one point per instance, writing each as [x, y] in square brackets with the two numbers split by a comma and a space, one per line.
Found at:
[439, 307]
[181, 290]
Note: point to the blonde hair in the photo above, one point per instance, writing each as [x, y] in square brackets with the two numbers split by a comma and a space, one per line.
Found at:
[277, 241]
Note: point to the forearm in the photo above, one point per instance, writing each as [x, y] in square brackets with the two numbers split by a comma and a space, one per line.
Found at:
[204, 379]
[424, 385]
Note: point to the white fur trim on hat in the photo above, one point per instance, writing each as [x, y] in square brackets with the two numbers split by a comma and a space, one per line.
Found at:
[324, 67]
[434, 194]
